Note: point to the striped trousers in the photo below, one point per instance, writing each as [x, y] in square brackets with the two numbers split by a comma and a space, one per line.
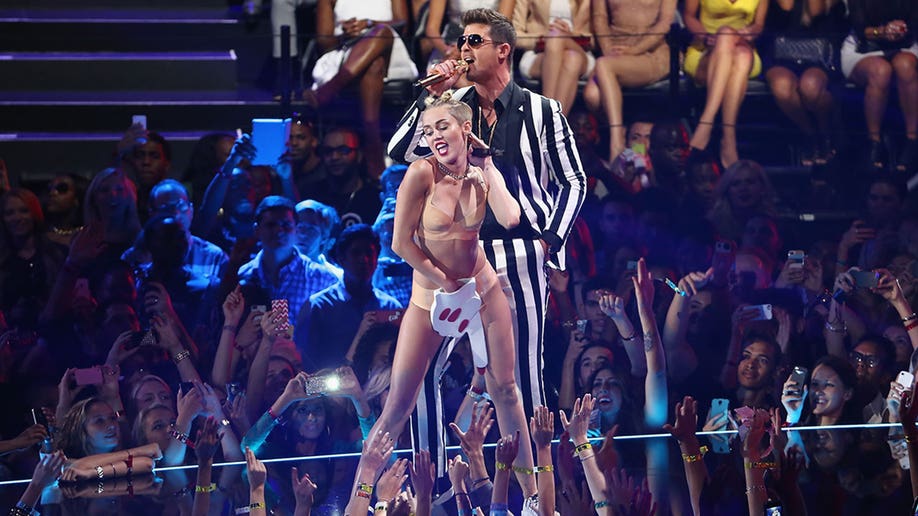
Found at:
[520, 268]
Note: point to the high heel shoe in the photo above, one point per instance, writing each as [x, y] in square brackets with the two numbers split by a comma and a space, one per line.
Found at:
[876, 155]
[908, 157]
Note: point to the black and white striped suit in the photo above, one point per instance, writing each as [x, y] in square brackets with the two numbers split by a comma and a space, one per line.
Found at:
[534, 149]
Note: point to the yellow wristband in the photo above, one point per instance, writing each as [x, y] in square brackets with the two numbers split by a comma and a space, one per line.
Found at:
[501, 466]
[695, 458]
[206, 489]
[761, 465]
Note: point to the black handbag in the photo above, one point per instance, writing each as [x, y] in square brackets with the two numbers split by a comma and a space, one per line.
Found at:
[803, 51]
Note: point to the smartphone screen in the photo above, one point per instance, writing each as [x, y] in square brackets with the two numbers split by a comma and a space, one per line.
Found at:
[269, 136]
[88, 376]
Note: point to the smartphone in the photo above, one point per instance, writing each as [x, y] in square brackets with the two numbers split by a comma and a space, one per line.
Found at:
[186, 387]
[905, 379]
[388, 315]
[639, 148]
[762, 312]
[864, 279]
[81, 289]
[795, 259]
[283, 309]
[38, 418]
[88, 376]
[269, 136]
[233, 391]
[582, 325]
[774, 510]
[259, 311]
[718, 406]
[139, 119]
[140, 338]
[322, 384]
[798, 375]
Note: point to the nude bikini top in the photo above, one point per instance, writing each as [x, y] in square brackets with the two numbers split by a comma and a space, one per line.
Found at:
[447, 216]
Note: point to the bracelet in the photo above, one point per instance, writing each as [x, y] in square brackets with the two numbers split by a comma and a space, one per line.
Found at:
[256, 505]
[277, 419]
[601, 504]
[910, 317]
[381, 506]
[757, 487]
[841, 262]
[836, 329]
[501, 466]
[364, 490]
[206, 489]
[100, 472]
[587, 457]
[910, 326]
[181, 355]
[582, 447]
[114, 473]
[630, 337]
[532, 470]
[695, 458]
[481, 480]
[761, 465]
[182, 438]
[130, 464]
[478, 396]
[229, 327]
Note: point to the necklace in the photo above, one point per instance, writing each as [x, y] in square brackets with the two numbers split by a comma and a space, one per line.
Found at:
[65, 232]
[451, 174]
[491, 127]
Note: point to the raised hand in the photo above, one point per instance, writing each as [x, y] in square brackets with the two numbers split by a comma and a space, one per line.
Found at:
[643, 285]
[507, 448]
[472, 439]
[391, 481]
[234, 307]
[607, 456]
[620, 488]
[303, 488]
[422, 474]
[30, 436]
[257, 472]
[48, 469]
[458, 471]
[580, 418]
[613, 306]
[207, 440]
[273, 325]
[376, 451]
[242, 149]
[542, 427]
[683, 429]
[695, 281]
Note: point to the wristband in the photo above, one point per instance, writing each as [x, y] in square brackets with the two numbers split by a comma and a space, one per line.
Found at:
[364, 490]
[836, 329]
[695, 458]
[276, 418]
[229, 327]
[206, 489]
[582, 447]
[587, 457]
[481, 480]
[256, 505]
[130, 464]
[501, 466]
[912, 325]
[182, 438]
[630, 337]
[601, 504]
[761, 465]
[757, 487]
[910, 317]
[381, 506]
[181, 355]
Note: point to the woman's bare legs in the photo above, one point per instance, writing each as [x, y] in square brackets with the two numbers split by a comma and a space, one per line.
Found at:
[815, 95]
[785, 86]
[501, 379]
[611, 73]
[733, 98]
[563, 62]
[368, 63]
[905, 65]
[874, 75]
[714, 72]
[416, 346]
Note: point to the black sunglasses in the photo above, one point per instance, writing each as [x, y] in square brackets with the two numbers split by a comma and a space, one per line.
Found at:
[60, 188]
[325, 150]
[474, 41]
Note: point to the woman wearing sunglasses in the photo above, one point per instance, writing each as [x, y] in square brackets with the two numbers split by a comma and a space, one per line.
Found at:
[555, 37]
[64, 207]
[439, 210]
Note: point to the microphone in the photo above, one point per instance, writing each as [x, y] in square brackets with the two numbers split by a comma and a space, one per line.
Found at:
[437, 77]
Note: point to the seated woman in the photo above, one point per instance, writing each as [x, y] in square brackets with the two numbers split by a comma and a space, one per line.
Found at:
[802, 90]
[555, 37]
[723, 58]
[881, 45]
[631, 37]
[361, 48]
[64, 207]
[440, 207]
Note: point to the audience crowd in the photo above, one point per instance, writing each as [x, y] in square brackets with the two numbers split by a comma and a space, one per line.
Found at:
[251, 312]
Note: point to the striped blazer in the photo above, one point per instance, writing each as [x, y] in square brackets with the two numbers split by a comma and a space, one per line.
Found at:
[534, 149]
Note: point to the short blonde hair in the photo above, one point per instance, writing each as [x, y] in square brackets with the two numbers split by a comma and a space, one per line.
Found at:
[458, 109]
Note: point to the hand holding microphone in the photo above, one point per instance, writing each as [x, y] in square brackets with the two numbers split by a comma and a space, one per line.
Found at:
[445, 74]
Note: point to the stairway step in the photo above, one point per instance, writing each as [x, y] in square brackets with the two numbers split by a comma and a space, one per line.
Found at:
[121, 30]
[106, 71]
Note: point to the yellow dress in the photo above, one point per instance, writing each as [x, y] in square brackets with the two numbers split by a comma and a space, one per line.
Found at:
[715, 14]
